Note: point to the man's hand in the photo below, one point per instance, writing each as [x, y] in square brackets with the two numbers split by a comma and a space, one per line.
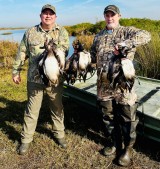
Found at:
[116, 50]
[16, 79]
[120, 48]
[121, 45]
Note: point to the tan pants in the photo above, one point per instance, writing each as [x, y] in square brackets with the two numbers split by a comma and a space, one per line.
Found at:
[35, 95]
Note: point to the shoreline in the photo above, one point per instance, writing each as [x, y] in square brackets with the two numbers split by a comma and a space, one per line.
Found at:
[13, 28]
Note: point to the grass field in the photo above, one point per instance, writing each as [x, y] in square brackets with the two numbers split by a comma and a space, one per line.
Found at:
[84, 134]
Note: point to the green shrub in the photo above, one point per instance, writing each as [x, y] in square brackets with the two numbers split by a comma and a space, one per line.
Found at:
[88, 28]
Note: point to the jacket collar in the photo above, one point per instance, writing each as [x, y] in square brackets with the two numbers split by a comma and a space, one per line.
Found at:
[111, 31]
[56, 26]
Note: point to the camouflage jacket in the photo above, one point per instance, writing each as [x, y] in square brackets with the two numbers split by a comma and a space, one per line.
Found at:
[31, 47]
[102, 50]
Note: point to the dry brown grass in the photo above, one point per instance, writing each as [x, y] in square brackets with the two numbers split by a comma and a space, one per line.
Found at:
[148, 57]
[86, 40]
[84, 134]
[8, 51]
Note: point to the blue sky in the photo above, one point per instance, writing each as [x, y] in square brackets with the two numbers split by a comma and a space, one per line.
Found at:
[15, 13]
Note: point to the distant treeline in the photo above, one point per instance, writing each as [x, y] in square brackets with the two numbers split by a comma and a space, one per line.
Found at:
[89, 28]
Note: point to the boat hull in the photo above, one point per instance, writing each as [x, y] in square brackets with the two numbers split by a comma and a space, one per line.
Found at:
[148, 126]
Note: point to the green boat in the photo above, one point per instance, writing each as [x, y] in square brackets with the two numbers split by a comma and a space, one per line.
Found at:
[148, 91]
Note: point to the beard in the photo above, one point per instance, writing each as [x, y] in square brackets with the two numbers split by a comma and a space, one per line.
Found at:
[111, 26]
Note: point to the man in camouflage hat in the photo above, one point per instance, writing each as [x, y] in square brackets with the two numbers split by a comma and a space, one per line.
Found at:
[31, 47]
[113, 50]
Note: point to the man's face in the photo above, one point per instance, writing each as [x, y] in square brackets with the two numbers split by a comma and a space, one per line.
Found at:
[48, 17]
[112, 19]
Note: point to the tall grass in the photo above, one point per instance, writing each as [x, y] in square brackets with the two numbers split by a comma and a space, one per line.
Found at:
[86, 40]
[8, 52]
[148, 58]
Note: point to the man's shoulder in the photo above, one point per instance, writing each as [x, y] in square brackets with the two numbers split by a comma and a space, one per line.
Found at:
[127, 28]
[100, 33]
[33, 28]
[61, 29]
[103, 31]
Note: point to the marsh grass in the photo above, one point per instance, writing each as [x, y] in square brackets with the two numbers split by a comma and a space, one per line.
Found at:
[86, 40]
[8, 51]
[6, 33]
[148, 58]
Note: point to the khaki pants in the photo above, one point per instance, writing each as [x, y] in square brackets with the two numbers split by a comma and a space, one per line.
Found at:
[35, 95]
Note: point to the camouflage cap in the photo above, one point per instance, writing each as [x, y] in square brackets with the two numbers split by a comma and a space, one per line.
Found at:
[112, 8]
[48, 6]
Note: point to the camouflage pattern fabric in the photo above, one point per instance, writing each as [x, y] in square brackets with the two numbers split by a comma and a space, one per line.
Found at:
[102, 51]
[32, 45]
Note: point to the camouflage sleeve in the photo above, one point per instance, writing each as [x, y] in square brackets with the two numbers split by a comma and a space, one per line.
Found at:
[93, 50]
[64, 41]
[136, 37]
[20, 57]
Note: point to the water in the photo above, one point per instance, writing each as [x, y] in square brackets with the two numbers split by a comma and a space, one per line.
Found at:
[17, 35]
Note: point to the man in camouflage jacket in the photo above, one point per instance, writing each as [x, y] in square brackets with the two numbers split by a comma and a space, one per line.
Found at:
[31, 47]
[115, 95]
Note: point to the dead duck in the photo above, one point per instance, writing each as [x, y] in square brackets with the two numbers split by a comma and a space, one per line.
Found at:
[49, 65]
[122, 72]
[78, 47]
[59, 54]
[84, 60]
[83, 64]
[70, 71]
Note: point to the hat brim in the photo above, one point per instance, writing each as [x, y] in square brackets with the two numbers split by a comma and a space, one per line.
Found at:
[111, 11]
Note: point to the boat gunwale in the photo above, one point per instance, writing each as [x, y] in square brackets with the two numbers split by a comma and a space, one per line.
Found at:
[91, 94]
